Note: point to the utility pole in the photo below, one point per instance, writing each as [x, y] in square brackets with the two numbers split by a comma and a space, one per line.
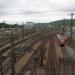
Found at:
[2, 58]
[71, 27]
[26, 31]
[63, 26]
[41, 49]
[16, 31]
[23, 31]
[13, 57]
[1, 71]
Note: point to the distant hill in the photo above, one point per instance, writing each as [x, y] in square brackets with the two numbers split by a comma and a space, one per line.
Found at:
[59, 23]
[66, 22]
[41, 25]
[4, 25]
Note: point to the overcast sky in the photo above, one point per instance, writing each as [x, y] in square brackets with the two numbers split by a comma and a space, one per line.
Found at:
[17, 11]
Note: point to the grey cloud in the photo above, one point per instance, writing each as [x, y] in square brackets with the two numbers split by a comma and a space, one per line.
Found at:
[31, 8]
[5, 6]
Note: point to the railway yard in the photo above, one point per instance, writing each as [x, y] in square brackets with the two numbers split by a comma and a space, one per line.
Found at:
[37, 37]
[35, 54]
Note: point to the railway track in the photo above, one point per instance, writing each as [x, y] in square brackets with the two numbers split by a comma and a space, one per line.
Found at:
[5, 47]
[31, 64]
[3, 39]
[52, 66]
[7, 37]
[19, 53]
[22, 58]
[23, 50]
[67, 63]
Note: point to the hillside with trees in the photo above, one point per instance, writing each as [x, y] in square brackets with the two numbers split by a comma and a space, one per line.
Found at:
[39, 25]
[4, 25]
[59, 23]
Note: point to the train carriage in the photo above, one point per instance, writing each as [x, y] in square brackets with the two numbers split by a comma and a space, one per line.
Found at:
[61, 40]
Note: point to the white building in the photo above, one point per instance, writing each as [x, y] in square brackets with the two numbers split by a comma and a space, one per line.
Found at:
[29, 24]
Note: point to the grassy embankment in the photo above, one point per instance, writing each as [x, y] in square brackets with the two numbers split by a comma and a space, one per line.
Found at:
[71, 43]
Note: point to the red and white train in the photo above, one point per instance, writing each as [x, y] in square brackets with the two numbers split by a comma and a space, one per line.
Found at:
[61, 40]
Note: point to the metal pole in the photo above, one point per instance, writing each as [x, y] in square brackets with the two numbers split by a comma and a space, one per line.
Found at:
[16, 31]
[72, 67]
[13, 59]
[26, 31]
[41, 49]
[71, 26]
[35, 69]
[1, 72]
[23, 32]
[35, 64]
[63, 26]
